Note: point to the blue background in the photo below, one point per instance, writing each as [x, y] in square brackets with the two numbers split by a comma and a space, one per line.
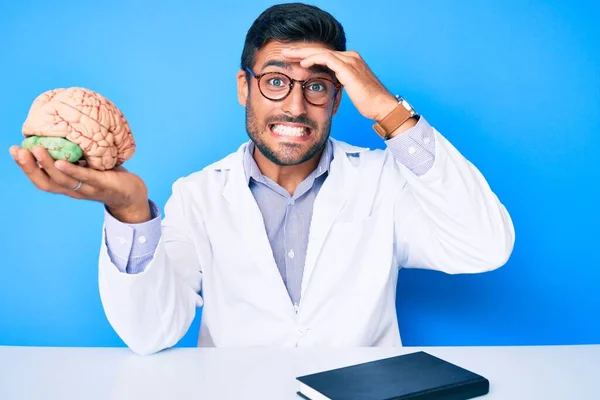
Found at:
[514, 85]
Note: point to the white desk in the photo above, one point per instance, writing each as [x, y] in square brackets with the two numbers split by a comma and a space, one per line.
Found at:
[548, 373]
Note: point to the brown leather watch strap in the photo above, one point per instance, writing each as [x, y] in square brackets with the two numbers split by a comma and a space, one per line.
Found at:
[392, 121]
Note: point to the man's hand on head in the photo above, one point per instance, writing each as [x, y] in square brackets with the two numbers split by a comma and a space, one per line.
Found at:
[367, 93]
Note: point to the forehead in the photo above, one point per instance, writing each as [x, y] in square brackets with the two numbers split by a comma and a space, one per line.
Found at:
[272, 52]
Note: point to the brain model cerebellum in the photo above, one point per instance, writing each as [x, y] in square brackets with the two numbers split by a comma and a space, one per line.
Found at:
[77, 123]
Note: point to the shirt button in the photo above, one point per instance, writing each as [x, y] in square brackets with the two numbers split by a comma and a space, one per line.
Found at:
[411, 150]
[121, 239]
[142, 239]
[426, 140]
[291, 254]
[292, 202]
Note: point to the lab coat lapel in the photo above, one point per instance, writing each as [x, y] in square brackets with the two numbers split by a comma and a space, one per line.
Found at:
[333, 195]
[246, 212]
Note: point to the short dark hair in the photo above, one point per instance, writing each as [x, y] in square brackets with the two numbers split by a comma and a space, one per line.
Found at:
[292, 22]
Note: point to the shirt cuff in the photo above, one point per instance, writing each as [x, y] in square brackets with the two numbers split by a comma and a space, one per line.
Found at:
[132, 245]
[415, 147]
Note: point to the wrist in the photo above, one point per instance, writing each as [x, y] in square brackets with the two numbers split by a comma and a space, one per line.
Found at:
[395, 117]
[386, 105]
[133, 214]
[410, 123]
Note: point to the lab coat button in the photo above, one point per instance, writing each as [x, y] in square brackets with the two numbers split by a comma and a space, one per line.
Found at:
[301, 332]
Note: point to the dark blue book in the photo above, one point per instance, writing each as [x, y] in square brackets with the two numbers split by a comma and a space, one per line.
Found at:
[414, 376]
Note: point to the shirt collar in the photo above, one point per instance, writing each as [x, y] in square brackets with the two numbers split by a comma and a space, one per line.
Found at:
[252, 171]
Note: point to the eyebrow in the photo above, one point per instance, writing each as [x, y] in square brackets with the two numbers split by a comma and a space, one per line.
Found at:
[315, 69]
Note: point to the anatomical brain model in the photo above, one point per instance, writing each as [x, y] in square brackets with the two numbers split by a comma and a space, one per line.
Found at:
[77, 123]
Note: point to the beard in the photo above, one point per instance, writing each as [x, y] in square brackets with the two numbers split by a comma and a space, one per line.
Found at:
[286, 154]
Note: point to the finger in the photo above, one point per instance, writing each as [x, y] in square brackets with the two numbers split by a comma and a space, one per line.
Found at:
[299, 53]
[87, 175]
[13, 152]
[351, 54]
[340, 68]
[36, 175]
[303, 52]
[47, 163]
[341, 56]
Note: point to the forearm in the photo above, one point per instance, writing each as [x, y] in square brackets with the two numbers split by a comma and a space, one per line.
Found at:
[451, 217]
[414, 146]
[151, 310]
[131, 245]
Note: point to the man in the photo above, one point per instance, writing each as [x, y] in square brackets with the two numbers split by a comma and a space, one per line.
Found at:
[296, 238]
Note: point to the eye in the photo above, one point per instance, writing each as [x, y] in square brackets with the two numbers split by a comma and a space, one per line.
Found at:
[276, 82]
[316, 87]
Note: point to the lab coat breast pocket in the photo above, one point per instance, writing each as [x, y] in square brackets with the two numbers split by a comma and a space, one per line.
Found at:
[360, 252]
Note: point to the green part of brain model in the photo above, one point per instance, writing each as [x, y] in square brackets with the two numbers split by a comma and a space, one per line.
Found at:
[58, 148]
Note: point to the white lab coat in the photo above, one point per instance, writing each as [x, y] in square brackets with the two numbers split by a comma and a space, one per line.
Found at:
[371, 217]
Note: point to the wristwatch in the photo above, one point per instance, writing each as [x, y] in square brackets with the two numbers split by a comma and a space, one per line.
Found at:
[399, 115]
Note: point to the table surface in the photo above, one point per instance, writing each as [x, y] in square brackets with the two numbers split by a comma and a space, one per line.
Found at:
[514, 372]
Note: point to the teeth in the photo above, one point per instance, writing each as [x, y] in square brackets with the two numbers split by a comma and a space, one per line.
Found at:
[285, 130]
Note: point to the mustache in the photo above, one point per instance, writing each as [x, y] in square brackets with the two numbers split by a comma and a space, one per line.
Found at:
[302, 119]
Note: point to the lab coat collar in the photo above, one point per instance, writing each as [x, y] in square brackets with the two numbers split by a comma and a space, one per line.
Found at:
[338, 186]
[234, 159]
[252, 171]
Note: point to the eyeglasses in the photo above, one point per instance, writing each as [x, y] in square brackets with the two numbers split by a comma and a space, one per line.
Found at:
[276, 86]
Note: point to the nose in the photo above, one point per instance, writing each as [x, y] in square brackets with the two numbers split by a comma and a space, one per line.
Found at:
[295, 104]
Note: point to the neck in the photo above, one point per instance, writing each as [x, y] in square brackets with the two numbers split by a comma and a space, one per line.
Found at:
[286, 176]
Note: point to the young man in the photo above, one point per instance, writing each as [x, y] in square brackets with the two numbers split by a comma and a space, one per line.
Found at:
[295, 239]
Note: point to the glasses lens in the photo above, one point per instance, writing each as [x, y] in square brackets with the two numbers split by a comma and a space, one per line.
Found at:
[319, 91]
[274, 85]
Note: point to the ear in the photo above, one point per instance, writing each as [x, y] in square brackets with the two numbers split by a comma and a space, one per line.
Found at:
[242, 87]
[337, 101]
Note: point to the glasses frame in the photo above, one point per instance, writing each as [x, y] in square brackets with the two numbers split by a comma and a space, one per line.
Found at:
[258, 77]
